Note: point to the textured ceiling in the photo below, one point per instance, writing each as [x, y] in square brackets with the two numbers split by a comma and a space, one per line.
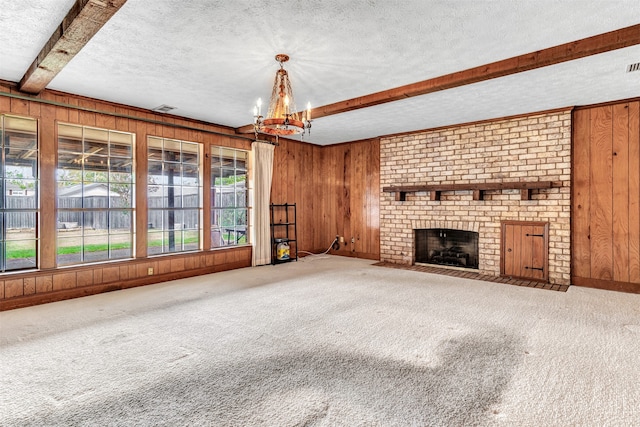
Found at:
[212, 59]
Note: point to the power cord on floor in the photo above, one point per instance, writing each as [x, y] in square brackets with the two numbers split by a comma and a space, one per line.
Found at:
[322, 253]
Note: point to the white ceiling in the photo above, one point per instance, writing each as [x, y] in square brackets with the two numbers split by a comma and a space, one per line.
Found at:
[213, 58]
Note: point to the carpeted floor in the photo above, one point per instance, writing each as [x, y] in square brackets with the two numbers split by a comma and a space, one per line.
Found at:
[326, 341]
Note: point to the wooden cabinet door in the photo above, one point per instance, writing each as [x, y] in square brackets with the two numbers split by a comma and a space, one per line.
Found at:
[525, 250]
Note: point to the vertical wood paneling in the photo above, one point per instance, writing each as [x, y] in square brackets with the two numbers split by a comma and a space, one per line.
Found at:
[48, 155]
[279, 183]
[291, 166]
[345, 200]
[5, 104]
[606, 142]
[353, 198]
[62, 114]
[310, 195]
[304, 195]
[104, 120]
[142, 164]
[121, 122]
[182, 134]
[74, 114]
[333, 193]
[337, 191]
[165, 131]
[87, 118]
[34, 109]
[620, 183]
[601, 194]
[373, 194]
[359, 197]
[322, 232]
[634, 192]
[19, 107]
[581, 168]
[295, 175]
[206, 194]
[282, 174]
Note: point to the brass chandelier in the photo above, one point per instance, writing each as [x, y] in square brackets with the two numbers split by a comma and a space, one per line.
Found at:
[282, 117]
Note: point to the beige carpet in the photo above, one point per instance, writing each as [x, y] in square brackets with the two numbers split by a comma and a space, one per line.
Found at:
[326, 341]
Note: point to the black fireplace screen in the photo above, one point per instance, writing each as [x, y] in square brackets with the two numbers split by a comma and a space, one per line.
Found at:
[442, 246]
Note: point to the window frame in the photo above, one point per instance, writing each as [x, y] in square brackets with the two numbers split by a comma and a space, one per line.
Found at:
[240, 233]
[174, 235]
[5, 180]
[91, 178]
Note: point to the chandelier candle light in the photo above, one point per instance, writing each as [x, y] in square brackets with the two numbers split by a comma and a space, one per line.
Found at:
[280, 120]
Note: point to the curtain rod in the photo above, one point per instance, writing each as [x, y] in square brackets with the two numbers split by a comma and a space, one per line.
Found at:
[122, 116]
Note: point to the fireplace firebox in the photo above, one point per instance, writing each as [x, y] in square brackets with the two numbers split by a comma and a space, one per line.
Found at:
[443, 246]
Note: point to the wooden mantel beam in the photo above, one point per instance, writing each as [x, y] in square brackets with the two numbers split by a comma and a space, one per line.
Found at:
[582, 48]
[477, 188]
[84, 20]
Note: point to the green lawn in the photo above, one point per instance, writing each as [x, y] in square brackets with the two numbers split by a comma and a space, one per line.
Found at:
[16, 250]
[23, 250]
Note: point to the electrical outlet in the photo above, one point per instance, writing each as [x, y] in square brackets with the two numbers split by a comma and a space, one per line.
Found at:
[335, 245]
[150, 271]
[341, 239]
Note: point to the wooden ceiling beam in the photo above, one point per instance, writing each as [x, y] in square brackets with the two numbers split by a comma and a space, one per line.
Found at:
[84, 20]
[582, 48]
[601, 43]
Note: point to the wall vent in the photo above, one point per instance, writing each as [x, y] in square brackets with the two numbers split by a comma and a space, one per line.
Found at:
[633, 67]
[164, 108]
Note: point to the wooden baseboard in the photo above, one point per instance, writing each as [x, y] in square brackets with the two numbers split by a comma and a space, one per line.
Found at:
[610, 285]
[363, 255]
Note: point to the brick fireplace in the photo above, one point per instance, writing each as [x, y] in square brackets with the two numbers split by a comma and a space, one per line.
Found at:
[526, 149]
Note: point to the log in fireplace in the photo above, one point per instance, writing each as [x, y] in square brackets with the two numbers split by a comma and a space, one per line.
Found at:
[443, 246]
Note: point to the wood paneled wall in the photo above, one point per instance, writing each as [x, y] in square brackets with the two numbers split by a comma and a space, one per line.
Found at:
[25, 289]
[295, 170]
[336, 189]
[606, 197]
[50, 283]
[337, 192]
[351, 197]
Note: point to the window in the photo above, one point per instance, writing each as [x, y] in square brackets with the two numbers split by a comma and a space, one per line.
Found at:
[95, 197]
[228, 197]
[19, 186]
[174, 196]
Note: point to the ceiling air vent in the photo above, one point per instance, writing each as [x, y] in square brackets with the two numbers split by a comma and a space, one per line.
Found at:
[164, 108]
[633, 67]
